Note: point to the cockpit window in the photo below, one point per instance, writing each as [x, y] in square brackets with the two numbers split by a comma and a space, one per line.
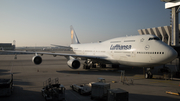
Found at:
[154, 38]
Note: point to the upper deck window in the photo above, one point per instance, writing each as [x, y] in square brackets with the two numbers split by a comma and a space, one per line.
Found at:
[129, 41]
[115, 41]
[154, 38]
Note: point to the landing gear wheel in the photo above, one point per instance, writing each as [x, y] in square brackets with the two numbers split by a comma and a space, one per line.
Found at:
[88, 64]
[115, 66]
[103, 65]
[85, 66]
[151, 76]
[93, 65]
[148, 75]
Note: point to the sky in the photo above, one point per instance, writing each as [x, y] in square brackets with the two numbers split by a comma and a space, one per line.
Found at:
[45, 22]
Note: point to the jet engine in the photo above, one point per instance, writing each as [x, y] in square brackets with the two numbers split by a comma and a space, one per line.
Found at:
[73, 63]
[37, 60]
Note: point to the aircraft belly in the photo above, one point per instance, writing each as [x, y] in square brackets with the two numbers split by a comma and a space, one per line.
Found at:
[141, 61]
[127, 59]
[149, 59]
[105, 61]
[138, 64]
[129, 63]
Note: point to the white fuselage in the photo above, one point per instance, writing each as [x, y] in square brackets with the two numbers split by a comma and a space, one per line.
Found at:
[140, 50]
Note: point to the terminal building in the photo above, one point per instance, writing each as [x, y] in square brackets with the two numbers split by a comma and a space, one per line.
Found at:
[7, 46]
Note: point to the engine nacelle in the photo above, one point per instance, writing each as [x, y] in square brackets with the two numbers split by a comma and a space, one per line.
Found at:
[37, 60]
[73, 63]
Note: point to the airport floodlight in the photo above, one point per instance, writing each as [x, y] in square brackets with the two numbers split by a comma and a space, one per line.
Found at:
[168, 0]
[172, 4]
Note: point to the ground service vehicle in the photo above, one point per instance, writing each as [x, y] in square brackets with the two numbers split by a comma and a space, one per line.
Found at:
[6, 86]
[99, 90]
[53, 91]
[83, 88]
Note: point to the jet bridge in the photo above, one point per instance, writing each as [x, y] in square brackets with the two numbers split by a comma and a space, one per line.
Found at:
[164, 33]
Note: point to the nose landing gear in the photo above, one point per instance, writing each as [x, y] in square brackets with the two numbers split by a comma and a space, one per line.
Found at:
[149, 74]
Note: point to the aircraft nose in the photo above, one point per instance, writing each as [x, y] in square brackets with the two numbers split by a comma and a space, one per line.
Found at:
[171, 54]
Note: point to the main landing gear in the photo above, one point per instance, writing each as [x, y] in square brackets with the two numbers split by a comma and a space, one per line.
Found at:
[149, 74]
[88, 64]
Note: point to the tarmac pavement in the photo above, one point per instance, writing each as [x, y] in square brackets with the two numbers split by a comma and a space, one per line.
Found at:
[29, 78]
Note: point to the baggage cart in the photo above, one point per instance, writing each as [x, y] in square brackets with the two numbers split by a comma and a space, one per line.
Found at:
[117, 95]
[99, 90]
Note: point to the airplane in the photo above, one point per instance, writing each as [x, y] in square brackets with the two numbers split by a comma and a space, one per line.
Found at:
[139, 50]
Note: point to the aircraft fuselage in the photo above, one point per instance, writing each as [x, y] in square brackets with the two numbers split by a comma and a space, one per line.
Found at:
[140, 50]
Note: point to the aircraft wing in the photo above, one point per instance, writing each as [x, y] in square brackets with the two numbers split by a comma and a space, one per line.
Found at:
[61, 46]
[73, 55]
[56, 54]
[77, 56]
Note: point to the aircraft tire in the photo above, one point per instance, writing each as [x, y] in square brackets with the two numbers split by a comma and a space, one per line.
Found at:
[85, 66]
[147, 76]
[93, 66]
[151, 76]
[115, 66]
[103, 65]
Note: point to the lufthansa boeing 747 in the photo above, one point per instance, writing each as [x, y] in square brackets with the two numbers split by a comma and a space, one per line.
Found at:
[139, 50]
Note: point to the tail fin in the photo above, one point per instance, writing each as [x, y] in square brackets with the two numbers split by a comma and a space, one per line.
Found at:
[74, 38]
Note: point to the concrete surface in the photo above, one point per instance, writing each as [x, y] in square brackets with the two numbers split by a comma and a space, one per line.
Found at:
[29, 78]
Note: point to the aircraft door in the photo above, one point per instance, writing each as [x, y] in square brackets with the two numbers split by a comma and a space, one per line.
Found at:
[133, 54]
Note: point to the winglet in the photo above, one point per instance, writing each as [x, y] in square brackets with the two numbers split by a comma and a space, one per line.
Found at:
[74, 38]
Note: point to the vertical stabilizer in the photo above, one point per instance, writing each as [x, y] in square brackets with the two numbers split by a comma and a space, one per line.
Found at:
[74, 38]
